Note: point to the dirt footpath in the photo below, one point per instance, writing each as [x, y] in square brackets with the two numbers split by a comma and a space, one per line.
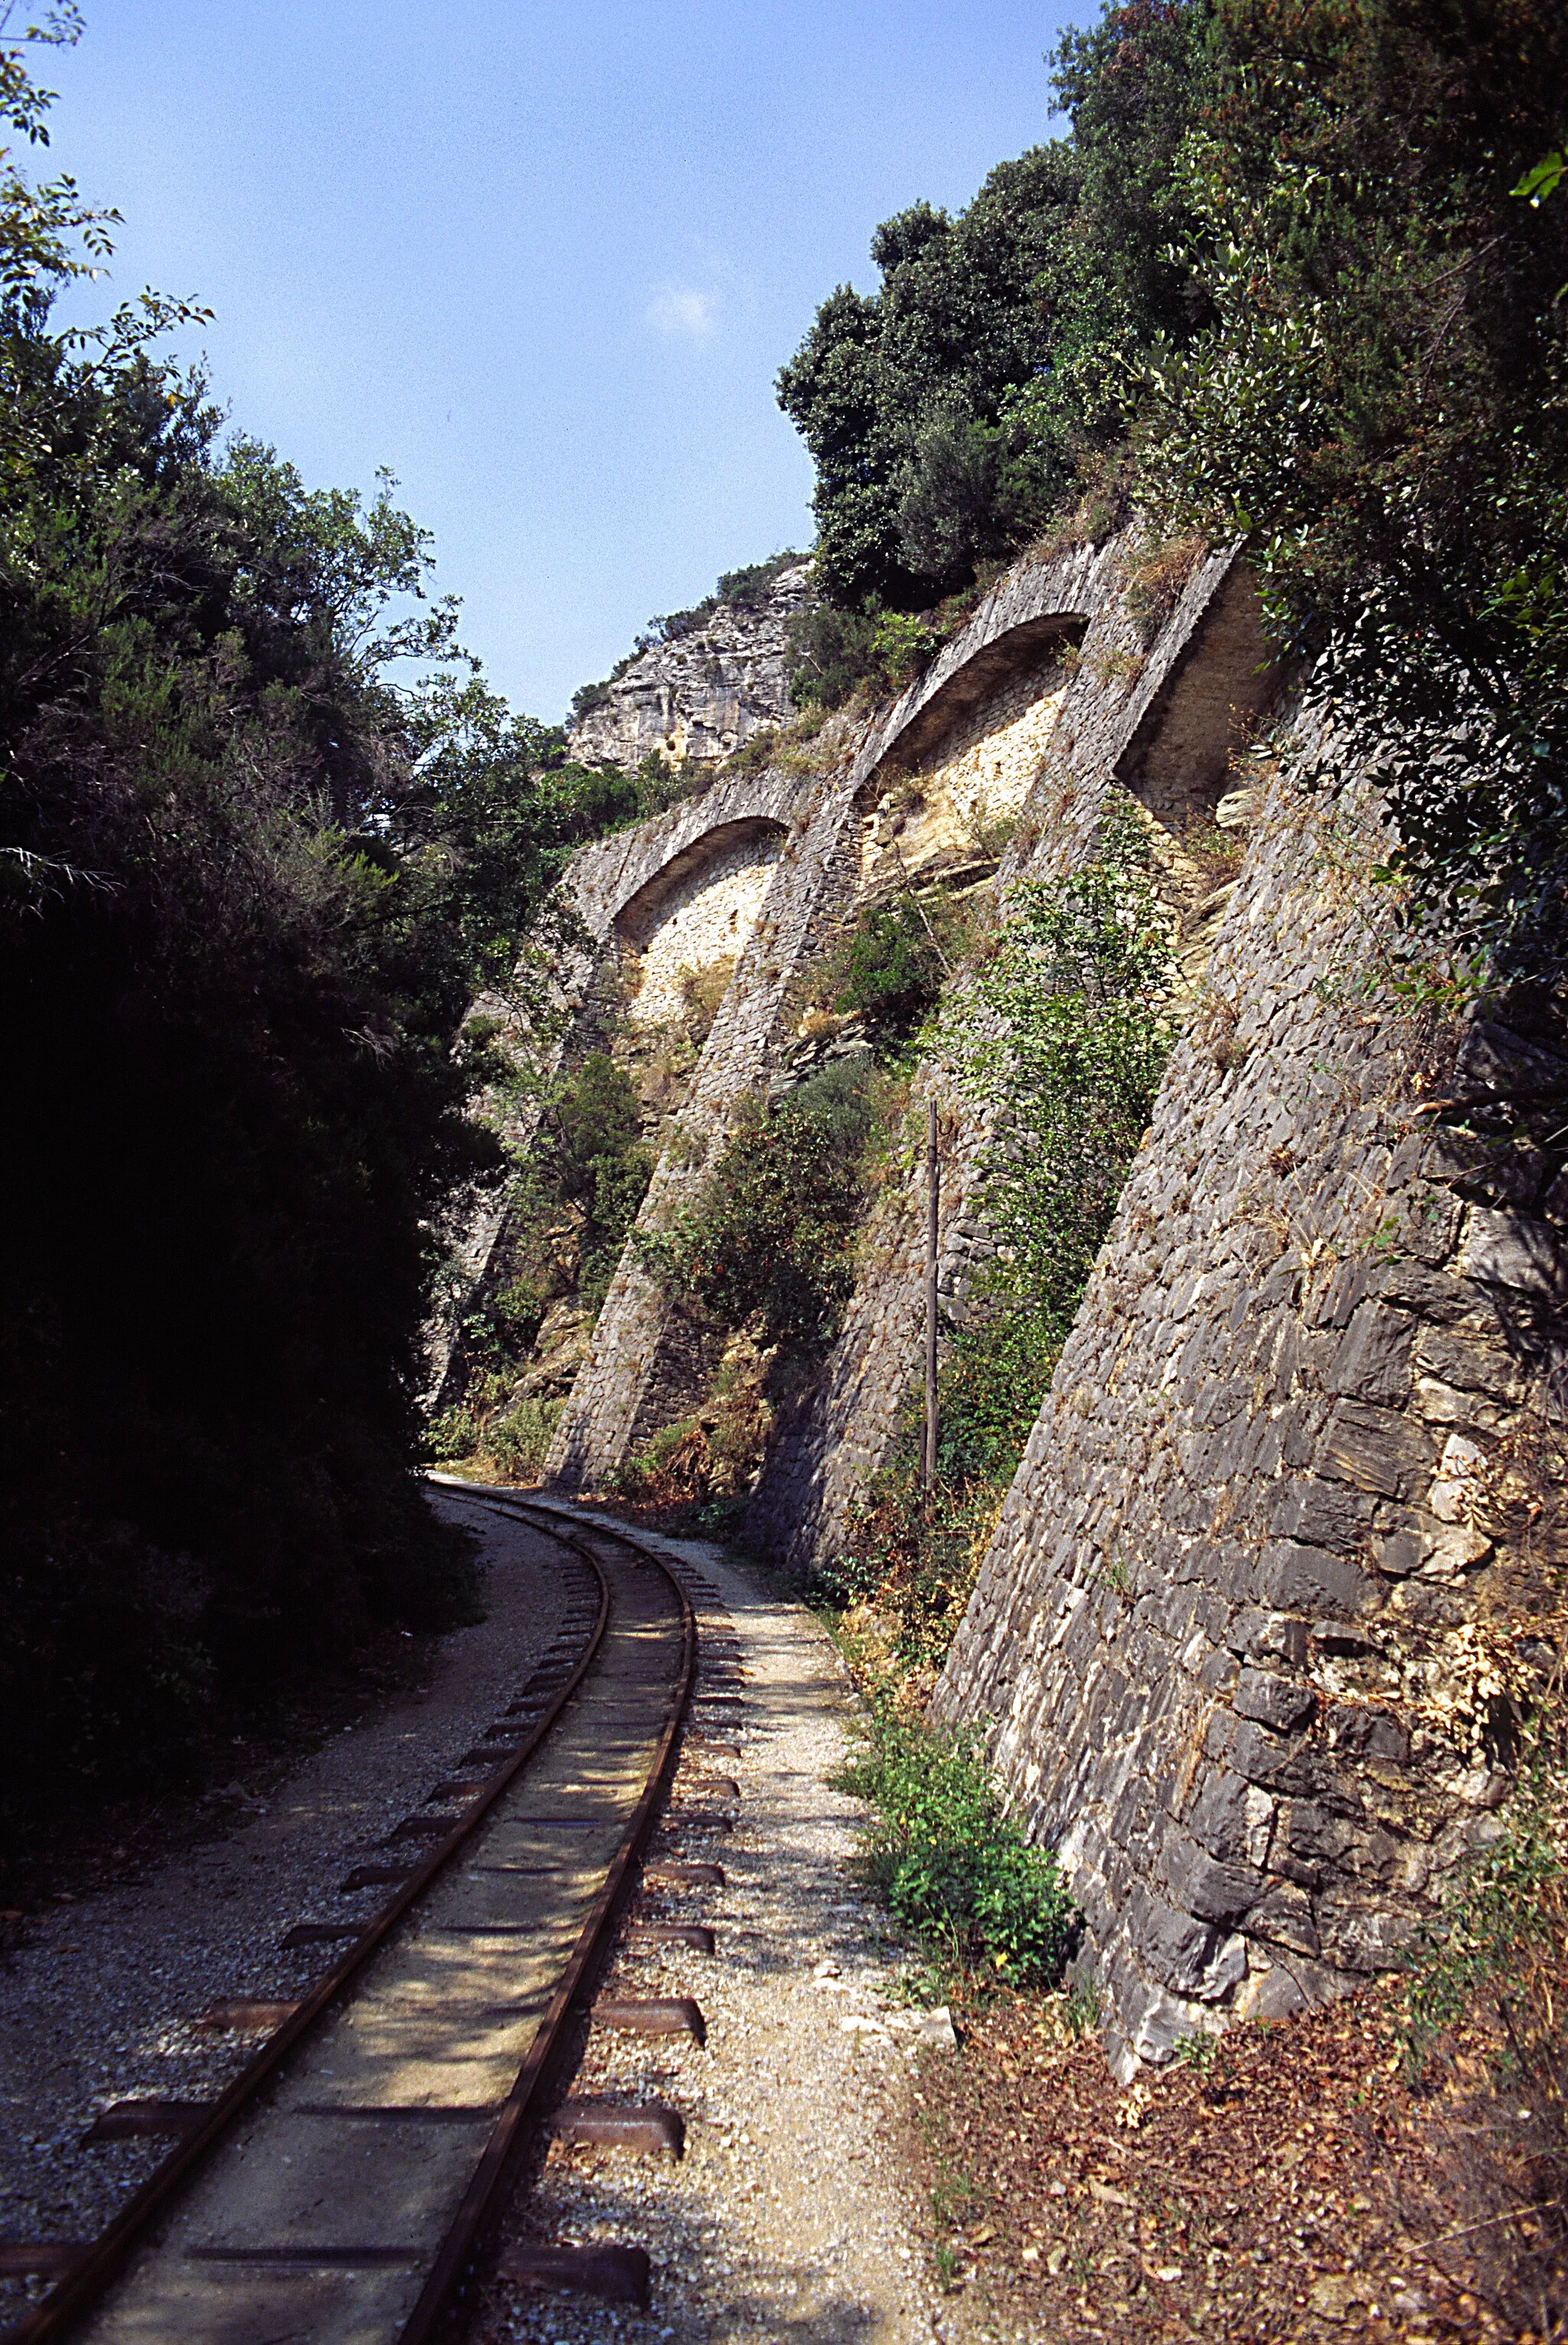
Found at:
[790, 2216]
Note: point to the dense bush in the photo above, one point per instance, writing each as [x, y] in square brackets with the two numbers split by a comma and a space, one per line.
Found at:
[249, 874]
[1382, 405]
[890, 969]
[951, 1864]
[767, 1242]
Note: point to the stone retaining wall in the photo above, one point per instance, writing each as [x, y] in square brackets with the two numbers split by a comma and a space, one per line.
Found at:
[640, 1373]
[1118, 688]
[1237, 1644]
[1240, 1643]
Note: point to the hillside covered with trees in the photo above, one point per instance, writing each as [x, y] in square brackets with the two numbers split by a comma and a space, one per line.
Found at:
[1297, 274]
[263, 832]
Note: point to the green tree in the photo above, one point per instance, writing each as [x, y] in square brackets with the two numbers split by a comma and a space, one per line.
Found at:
[262, 832]
[897, 394]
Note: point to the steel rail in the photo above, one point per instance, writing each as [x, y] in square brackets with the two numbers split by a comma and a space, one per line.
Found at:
[84, 2285]
[497, 2170]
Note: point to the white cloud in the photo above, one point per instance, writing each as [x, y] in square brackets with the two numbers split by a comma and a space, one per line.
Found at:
[681, 313]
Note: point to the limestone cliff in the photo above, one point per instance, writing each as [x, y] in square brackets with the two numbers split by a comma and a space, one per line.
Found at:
[704, 693]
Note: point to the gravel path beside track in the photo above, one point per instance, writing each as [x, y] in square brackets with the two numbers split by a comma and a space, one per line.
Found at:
[789, 2218]
[99, 2004]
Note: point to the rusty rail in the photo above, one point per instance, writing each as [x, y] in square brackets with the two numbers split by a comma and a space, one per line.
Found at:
[87, 2275]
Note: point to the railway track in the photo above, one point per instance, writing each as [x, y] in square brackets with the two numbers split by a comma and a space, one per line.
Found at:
[342, 2185]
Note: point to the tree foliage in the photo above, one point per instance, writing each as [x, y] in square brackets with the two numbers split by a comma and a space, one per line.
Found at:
[945, 411]
[250, 876]
[1381, 404]
[1308, 261]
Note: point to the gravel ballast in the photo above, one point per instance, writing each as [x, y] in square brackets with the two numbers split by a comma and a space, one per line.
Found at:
[100, 2003]
[789, 2215]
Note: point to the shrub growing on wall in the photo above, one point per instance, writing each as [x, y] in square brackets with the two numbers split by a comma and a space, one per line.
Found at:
[1059, 1038]
[767, 1243]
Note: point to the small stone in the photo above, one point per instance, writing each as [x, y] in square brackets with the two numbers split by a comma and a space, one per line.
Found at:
[936, 2028]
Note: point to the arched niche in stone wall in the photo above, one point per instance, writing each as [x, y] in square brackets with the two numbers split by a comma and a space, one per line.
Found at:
[938, 803]
[1177, 763]
[697, 911]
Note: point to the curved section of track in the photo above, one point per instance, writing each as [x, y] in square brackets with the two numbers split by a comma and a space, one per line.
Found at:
[341, 2186]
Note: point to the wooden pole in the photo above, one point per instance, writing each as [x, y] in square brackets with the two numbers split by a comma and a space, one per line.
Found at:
[933, 1193]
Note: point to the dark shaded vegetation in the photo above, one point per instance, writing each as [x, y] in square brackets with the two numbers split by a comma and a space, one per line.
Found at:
[573, 1198]
[889, 970]
[1295, 274]
[249, 876]
[761, 1259]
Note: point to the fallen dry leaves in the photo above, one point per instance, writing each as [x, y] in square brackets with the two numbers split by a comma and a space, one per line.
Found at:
[1298, 2187]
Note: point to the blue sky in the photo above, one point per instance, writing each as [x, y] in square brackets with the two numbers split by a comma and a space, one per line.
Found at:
[543, 261]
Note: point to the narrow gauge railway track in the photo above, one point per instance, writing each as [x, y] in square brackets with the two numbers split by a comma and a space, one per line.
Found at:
[340, 2187]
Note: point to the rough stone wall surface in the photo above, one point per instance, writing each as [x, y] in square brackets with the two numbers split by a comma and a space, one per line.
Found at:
[615, 892]
[705, 694]
[1120, 683]
[943, 818]
[1233, 1643]
[1236, 1641]
[640, 1371]
[706, 918]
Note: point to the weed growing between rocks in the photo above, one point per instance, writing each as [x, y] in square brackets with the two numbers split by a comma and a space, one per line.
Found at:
[951, 1864]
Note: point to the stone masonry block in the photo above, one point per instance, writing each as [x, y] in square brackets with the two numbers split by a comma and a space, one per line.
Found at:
[1308, 1579]
[1279, 1702]
[1272, 1635]
[1323, 1514]
[1203, 1884]
[1284, 1917]
[1373, 1361]
[1176, 1950]
[1517, 1253]
[1376, 1449]
[1231, 1818]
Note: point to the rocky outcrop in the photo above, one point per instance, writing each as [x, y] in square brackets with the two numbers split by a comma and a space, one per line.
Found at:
[703, 695]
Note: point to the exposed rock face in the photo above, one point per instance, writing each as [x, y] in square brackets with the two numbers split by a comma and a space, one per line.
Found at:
[704, 696]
